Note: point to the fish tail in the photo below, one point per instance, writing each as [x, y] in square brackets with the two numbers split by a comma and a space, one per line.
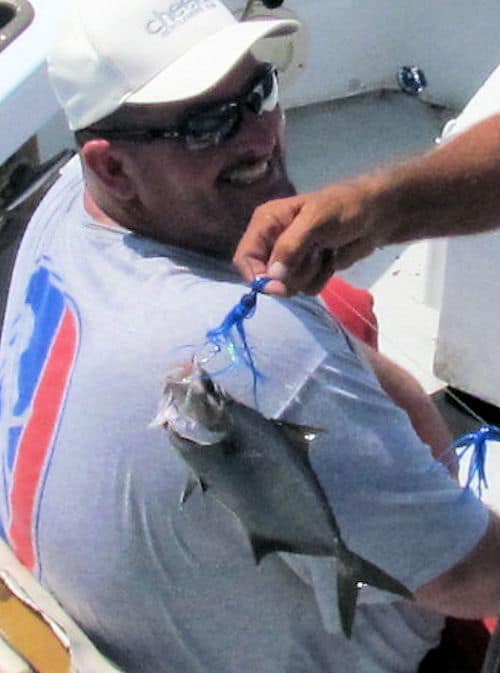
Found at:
[354, 572]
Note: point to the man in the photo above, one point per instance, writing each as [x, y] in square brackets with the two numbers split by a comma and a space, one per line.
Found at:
[449, 191]
[120, 275]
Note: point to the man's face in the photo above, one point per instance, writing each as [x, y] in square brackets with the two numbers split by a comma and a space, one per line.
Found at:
[203, 199]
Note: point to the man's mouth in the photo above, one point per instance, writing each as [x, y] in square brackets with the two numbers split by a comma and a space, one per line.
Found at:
[247, 173]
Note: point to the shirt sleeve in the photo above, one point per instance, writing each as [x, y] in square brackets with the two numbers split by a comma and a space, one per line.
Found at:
[394, 503]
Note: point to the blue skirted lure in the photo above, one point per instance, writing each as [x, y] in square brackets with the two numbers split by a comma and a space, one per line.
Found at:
[231, 334]
[477, 442]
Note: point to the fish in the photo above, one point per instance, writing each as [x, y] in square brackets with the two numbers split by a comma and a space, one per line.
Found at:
[259, 468]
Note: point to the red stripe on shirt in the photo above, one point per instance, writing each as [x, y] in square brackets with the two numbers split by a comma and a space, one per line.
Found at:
[37, 439]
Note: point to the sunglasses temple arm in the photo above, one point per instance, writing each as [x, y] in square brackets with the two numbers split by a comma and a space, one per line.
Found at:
[247, 10]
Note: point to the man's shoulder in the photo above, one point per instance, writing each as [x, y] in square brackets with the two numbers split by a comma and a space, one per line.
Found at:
[64, 185]
[70, 178]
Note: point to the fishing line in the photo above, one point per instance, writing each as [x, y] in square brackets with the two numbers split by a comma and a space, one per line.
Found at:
[374, 327]
[473, 441]
[230, 336]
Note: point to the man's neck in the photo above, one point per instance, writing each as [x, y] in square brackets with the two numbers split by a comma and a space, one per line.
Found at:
[97, 213]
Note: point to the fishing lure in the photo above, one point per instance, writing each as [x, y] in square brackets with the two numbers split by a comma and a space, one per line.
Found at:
[231, 334]
[477, 441]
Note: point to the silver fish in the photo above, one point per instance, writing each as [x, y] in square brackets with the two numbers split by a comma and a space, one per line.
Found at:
[260, 470]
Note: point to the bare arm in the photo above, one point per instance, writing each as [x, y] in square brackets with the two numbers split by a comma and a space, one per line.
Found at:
[451, 190]
[471, 589]
[407, 393]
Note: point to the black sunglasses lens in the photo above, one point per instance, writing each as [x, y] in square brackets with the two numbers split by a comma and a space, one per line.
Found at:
[212, 126]
[219, 122]
[269, 81]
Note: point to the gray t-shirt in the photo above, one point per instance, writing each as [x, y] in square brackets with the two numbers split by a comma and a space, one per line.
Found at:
[89, 496]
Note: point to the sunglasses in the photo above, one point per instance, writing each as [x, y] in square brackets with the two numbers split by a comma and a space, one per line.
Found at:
[210, 124]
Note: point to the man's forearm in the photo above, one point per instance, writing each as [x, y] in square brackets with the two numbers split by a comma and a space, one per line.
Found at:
[454, 189]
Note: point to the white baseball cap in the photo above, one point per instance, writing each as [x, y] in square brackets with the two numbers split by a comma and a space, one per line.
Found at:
[147, 51]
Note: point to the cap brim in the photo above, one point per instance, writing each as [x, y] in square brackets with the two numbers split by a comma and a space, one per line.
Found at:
[206, 64]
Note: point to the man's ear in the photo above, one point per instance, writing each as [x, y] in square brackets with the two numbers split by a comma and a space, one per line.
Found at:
[109, 165]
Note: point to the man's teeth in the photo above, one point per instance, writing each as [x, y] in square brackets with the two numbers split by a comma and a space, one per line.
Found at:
[249, 173]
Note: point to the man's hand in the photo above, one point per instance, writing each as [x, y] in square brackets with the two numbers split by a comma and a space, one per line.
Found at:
[451, 190]
[300, 241]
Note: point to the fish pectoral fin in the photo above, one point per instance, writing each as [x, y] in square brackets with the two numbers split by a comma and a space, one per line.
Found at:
[347, 591]
[301, 436]
[192, 482]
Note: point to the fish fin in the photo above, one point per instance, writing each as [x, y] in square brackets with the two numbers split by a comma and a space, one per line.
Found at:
[261, 547]
[300, 436]
[354, 572]
[192, 482]
[347, 591]
[369, 573]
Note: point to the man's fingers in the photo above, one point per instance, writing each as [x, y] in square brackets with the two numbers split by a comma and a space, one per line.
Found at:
[277, 288]
[250, 267]
[284, 236]
[328, 219]
[295, 240]
[313, 273]
[325, 270]
[267, 223]
[299, 240]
